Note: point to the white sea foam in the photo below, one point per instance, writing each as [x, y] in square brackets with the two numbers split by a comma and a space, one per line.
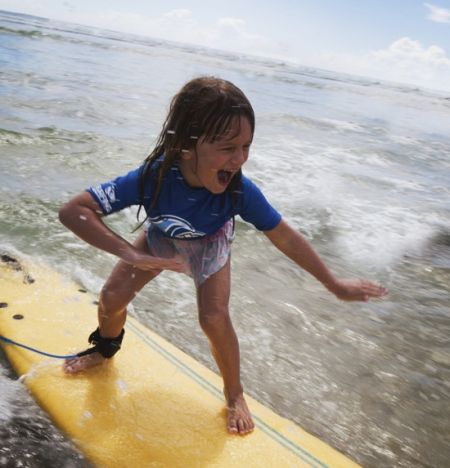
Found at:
[359, 167]
[8, 391]
[383, 237]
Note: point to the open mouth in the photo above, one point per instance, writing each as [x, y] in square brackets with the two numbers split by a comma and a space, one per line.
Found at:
[225, 177]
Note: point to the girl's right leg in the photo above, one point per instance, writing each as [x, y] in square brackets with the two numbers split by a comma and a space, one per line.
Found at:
[213, 296]
[119, 290]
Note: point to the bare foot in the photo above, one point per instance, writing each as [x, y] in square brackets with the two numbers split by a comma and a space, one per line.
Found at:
[239, 419]
[78, 364]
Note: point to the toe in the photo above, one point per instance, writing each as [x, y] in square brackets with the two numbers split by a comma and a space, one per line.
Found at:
[241, 426]
[78, 364]
[70, 367]
[232, 426]
[249, 426]
[232, 429]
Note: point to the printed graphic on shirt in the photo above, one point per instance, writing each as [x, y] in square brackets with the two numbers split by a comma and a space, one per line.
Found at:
[176, 227]
[106, 194]
[182, 211]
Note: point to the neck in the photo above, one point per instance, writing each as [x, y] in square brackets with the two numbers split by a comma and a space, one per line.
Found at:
[188, 169]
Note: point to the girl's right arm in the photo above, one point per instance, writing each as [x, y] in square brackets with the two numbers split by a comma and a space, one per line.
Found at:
[83, 216]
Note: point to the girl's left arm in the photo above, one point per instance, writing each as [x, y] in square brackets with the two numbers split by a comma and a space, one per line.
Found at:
[298, 249]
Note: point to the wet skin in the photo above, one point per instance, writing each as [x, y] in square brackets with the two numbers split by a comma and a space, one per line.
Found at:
[210, 165]
[213, 165]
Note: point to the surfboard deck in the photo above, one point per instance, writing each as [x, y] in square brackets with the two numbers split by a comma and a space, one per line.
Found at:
[152, 405]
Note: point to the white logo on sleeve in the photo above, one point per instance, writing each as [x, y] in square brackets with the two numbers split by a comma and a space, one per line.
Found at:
[110, 192]
[102, 198]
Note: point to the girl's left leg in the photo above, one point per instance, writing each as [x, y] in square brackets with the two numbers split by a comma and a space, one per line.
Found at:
[212, 298]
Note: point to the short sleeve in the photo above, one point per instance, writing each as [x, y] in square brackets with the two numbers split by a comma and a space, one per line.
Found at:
[119, 193]
[255, 209]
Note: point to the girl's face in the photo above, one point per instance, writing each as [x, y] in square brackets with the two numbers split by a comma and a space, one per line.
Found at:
[213, 165]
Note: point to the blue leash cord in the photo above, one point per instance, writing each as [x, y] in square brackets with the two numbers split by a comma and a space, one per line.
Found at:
[56, 356]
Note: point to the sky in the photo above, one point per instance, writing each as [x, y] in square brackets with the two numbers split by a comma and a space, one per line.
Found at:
[405, 41]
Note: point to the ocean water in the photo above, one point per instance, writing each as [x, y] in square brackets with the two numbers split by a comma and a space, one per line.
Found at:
[360, 167]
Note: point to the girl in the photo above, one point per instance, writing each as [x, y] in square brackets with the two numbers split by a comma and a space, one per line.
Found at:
[191, 187]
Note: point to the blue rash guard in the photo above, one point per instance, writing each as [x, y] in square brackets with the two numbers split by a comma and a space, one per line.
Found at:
[182, 211]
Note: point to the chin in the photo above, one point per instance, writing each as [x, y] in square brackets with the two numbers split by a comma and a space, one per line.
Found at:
[218, 190]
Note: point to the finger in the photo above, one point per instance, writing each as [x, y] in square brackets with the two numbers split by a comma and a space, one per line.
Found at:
[357, 294]
[178, 269]
[169, 264]
[374, 290]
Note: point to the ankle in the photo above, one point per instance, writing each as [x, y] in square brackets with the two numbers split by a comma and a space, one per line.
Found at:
[234, 394]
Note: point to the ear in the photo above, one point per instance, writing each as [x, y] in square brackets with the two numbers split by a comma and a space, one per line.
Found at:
[187, 154]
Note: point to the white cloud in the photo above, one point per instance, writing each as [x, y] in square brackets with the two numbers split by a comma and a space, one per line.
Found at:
[180, 25]
[437, 14]
[233, 34]
[180, 14]
[31, 7]
[176, 25]
[234, 23]
[404, 61]
[406, 52]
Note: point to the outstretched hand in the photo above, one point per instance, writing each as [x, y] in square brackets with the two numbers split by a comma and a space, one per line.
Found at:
[357, 290]
[144, 261]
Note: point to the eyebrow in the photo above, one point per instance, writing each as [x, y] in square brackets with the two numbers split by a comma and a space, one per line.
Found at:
[230, 142]
[224, 138]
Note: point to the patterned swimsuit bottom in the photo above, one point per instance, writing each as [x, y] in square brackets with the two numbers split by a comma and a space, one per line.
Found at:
[203, 257]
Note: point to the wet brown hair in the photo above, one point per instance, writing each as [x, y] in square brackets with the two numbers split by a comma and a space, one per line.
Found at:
[206, 107]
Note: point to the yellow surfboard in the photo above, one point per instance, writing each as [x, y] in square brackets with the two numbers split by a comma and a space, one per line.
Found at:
[152, 405]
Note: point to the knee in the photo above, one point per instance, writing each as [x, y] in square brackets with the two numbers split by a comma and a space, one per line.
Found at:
[111, 301]
[214, 318]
